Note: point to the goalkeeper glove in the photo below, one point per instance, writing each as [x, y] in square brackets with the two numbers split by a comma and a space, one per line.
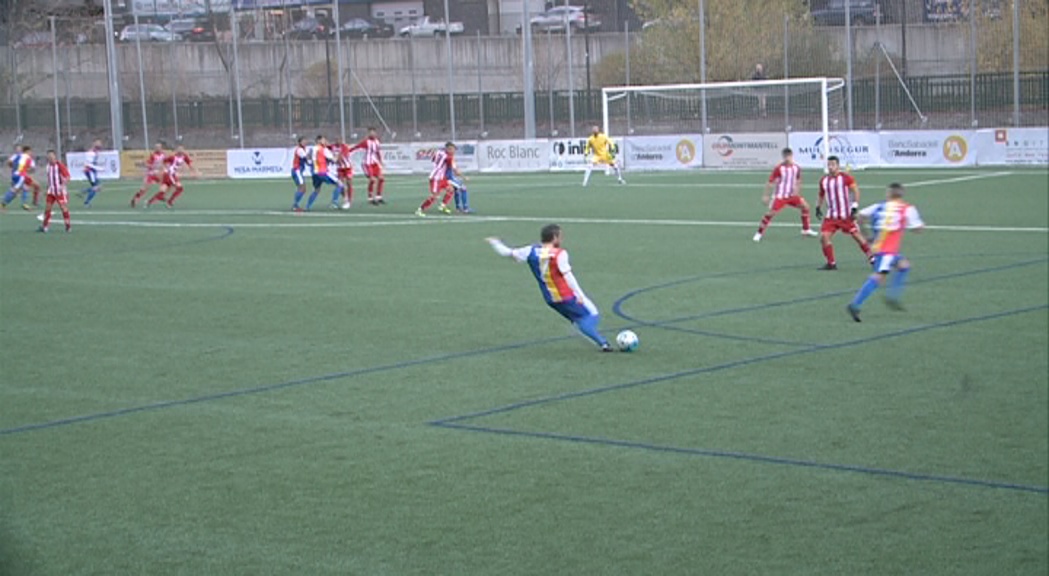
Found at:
[819, 213]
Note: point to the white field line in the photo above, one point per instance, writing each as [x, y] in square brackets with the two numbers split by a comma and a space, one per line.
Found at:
[980, 176]
[400, 220]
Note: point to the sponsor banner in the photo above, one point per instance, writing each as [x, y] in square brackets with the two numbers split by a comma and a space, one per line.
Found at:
[855, 149]
[927, 148]
[109, 161]
[567, 153]
[1012, 146]
[513, 156]
[663, 152]
[210, 163]
[258, 163]
[758, 150]
[417, 157]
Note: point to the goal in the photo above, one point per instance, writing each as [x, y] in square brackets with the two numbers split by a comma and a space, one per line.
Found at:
[777, 107]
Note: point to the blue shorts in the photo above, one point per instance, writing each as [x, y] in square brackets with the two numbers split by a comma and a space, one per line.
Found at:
[573, 310]
[297, 177]
[885, 263]
[319, 179]
[17, 181]
[92, 177]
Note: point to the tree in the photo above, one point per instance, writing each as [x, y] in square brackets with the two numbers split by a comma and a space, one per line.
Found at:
[994, 38]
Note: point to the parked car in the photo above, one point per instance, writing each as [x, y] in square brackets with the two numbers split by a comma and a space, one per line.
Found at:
[192, 30]
[861, 12]
[310, 28]
[426, 27]
[361, 28]
[557, 18]
[147, 33]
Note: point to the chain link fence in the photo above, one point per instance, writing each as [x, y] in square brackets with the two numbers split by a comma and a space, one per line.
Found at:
[261, 77]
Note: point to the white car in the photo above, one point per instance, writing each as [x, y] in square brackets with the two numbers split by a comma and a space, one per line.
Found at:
[557, 18]
[148, 33]
[427, 27]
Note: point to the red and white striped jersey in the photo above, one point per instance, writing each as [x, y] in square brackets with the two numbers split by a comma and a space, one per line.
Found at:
[155, 161]
[342, 153]
[372, 151]
[835, 189]
[787, 177]
[57, 177]
[173, 163]
[441, 162]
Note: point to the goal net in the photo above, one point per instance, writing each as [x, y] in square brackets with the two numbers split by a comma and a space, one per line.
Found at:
[742, 124]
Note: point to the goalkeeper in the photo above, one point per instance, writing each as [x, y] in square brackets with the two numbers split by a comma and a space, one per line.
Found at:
[598, 150]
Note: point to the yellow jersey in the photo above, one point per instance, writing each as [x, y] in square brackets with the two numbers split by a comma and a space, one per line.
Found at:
[598, 145]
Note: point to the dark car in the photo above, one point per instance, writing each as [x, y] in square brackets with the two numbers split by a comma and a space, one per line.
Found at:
[832, 12]
[192, 30]
[309, 28]
[361, 28]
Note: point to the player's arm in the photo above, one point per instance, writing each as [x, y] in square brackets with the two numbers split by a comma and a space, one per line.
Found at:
[63, 173]
[820, 201]
[518, 254]
[566, 271]
[770, 185]
[855, 196]
[189, 163]
[914, 220]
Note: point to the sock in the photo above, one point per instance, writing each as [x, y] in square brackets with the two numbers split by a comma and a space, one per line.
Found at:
[36, 195]
[458, 199]
[336, 194]
[806, 221]
[586, 176]
[158, 197]
[428, 202]
[9, 197]
[298, 198]
[90, 195]
[25, 196]
[865, 247]
[896, 286]
[349, 193]
[371, 189]
[588, 326]
[619, 174]
[138, 195]
[313, 198]
[764, 223]
[828, 252]
[178, 192]
[47, 215]
[382, 184]
[866, 290]
[466, 199]
[65, 217]
[448, 196]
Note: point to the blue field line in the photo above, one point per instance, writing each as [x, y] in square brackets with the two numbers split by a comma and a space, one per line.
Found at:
[734, 364]
[751, 457]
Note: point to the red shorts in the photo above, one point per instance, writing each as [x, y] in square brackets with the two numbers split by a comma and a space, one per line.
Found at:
[437, 185]
[781, 203]
[345, 173]
[170, 180]
[373, 170]
[830, 226]
[150, 179]
[29, 181]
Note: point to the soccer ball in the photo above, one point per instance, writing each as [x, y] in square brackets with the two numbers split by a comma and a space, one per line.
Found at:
[345, 206]
[627, 341]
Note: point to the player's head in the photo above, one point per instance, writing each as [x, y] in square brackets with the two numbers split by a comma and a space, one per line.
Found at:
[180, 149]
[595, 130]
[158, 147]
[52, 157]
[788, 155]
[833, 164]
[373, 132]
[96, 144]
[301, 141]
[338, 140]
[18, 148]
[894, 191]
[449, 147]
[320, 139]
[27, 149]
[551, 234]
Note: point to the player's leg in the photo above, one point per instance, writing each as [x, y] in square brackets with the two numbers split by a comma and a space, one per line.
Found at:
[827, 232]
[586, 174]
[336, 192]
[883, 264]
[161, 194]
[615, 168]
[29, 183]
[860, 240]
[774, 208]
[449, 191]
[300, 190]
[806, 217]
[380, 184]
[92, 190]
[178, 192]
[317, 181]
[347, 192]
[48, 203]
[11, 192]
[372, 182]
[899, 279]
[147, 183]
[586, 319]
[36, 194]
[63, 203]
[430, 198]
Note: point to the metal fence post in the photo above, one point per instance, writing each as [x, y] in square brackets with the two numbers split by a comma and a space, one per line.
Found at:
[54, 77]
[529, 73]
[1016, 62]
[550, 78]
[141, 81]
[174, 98]
[972, 63]
[480, 86]
[448, 51]
[786, 72]
[626, 39]
[415, 97]
[338, 69]
[703, 65]
[848, 64]
[115, 108]
[877, 76]
[236, 78]
[571, 78]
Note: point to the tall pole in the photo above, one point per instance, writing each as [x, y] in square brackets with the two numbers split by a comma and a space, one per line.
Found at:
[550, 78]
[848, 64]
[287, 66]
[68, 91]
[448, 55]
[571, 77]
[903, 38]
[480, 82]
[877, 78]
[586, 58]
[338, 68]
[972, 63]
[54, 76]
[626, 38]
[174, 97]
[17, 88]
[786, 72]
[529, 73]
[411, 71]
[703, 64]
[236, 79]
[115, 108]
[1016, 62]
[141, 83]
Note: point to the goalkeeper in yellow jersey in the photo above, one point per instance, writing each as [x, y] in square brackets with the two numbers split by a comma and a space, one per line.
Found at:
[598, 151]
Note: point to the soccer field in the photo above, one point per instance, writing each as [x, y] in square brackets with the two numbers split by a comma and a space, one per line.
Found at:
[229, 388]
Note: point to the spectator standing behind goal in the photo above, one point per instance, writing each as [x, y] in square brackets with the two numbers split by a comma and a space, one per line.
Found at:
[758, 76]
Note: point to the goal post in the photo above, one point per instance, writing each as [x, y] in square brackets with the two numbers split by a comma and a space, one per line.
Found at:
[758, 106]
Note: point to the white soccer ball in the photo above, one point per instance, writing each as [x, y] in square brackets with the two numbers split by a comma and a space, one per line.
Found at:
[345, 206]
[627, 341]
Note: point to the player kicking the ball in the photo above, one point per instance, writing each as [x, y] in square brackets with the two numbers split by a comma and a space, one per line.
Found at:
[841, 195]
[888, 220]
[786, 180]
[443, 166]
[598, 151]
[549, 264]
